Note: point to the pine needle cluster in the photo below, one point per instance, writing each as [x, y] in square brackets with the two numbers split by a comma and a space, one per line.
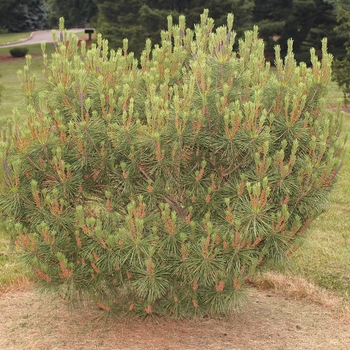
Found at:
[161, 185]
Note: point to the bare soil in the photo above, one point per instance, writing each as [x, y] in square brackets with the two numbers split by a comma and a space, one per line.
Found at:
[6, 57]
[271, 320]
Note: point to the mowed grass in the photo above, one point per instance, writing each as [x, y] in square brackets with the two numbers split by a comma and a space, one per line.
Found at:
[13, 37]
[33, 50]
[12, 93]
[325, 256]
[323, 259]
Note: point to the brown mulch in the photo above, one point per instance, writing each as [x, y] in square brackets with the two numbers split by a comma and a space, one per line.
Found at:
[270, 321]
[6, 57]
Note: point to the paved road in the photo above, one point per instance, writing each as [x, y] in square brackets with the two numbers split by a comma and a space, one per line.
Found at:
[39, 37]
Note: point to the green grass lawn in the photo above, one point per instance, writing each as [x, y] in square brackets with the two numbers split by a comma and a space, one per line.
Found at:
[323, 259]
[33, 50]
[13, 37]
[12, 93]
[325, 256]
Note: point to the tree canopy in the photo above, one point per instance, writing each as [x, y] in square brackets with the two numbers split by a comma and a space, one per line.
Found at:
[77, 13]
[306, 21]
[138, 20]
[22, 15]
[341, 68]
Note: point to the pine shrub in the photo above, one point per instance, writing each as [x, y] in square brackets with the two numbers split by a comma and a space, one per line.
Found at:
[19, 51]
[161, 186]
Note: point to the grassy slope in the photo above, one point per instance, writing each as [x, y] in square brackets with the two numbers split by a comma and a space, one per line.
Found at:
[325, 256]
[12, 91]
[13, 37]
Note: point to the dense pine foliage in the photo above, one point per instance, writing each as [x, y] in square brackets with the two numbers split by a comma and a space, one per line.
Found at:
[160, 186]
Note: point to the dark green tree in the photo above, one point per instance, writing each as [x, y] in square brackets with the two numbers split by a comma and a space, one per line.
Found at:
[77, 13]
[23, 15]
[218, 9]
[306, 21]
[341, 67]
[119, 20]
[5, 8]
[138, 20]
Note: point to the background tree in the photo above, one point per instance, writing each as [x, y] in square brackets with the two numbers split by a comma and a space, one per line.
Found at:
[77, 13]
[5, 8]
[341, 67]
[137, 20]
[23, 15]
[218, 9]
[306, 21]
[121, 19]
